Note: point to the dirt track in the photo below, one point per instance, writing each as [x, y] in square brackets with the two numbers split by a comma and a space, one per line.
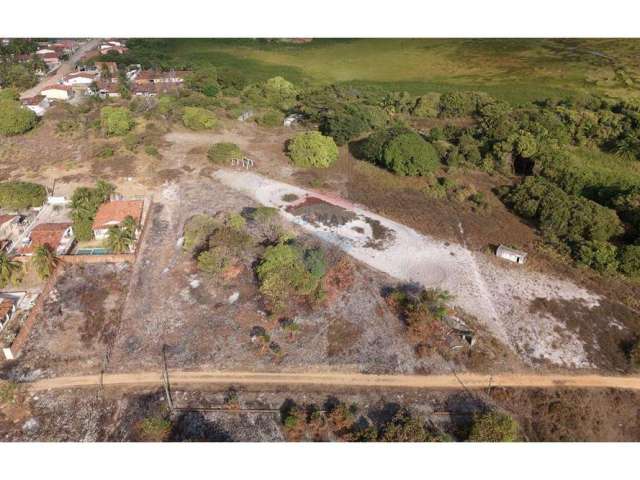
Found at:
[337, 379]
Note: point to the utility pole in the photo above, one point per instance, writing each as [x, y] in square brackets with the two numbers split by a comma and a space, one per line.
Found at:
[165, 378]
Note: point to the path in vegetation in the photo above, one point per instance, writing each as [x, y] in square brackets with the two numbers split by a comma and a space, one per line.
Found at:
[338, 379]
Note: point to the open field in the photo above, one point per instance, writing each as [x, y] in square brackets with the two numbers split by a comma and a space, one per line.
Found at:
[516, 70]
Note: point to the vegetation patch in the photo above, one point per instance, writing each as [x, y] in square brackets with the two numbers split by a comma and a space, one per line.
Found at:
[17, 195]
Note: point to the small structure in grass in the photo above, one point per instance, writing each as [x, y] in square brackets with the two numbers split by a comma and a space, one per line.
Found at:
[511, 254]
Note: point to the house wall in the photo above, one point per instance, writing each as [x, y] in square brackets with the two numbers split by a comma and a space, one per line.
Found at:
[56, 94]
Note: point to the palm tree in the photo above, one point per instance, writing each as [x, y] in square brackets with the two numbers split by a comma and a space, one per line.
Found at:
[44, 260]
[627, 147]
[129, 225]
[9, 269]
[119, 240]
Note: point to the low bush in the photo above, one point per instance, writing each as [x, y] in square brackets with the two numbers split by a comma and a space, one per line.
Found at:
[410, 155]
[197, 118]
[214, 260]
[197, 231]
[271, 118]
[16, 195]
[494, 427]
[223, 153]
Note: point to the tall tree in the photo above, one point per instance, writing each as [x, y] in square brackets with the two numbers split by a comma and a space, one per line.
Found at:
[9, 269]
[44, 260]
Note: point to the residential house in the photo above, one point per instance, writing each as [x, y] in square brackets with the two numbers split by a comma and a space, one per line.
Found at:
[154, 76]
[58, 236]
[37, 104]
[113, 46]
[7, 309]
[52, 60]
[107, 89]
[80, 78]
[57, 92]
[113, 213]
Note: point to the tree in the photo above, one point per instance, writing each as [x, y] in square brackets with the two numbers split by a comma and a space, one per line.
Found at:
[223, 153]
[343, 126]
[404, 428]
[116, 121]
[630, 260]
[9, 270]
[601, 256]
[271, 118]
[204, 80]
[410, 155]
[426, 106]
[494, 427]
[312, 149]
[197, 118]
[44, 260]
[14, 118]
[85, 202]
[120, 239]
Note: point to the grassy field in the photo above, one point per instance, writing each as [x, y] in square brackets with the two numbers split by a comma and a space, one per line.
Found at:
[517, 70]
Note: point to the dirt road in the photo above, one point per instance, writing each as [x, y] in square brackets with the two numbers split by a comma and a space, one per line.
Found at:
[65, 67]
[338, 379]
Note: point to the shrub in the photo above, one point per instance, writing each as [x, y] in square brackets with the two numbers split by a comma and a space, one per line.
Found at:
[271, 118]
[374, 147]
[404, 428]
[410, 155]
[197, 118]
[283, 274]
[343, 126]
[8, 391]
[224, 152]
[312, 149]
[427, 106]
[264, 215]
[601, 256]
[204, 80]
[197, 231]
[14, 118]
[214, 260]
[154, 429]
[16, 195]
[630, 260]
[151, 150]
[236, 221]
[494, 427]
[116, 121]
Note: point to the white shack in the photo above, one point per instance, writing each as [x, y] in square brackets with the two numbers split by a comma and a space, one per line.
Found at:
[511, 254]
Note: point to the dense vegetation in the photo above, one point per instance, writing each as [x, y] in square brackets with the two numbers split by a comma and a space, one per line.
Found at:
[116, 121]
[14, 118]
[19, 73]
[16, 195]
[85, 202]
[223, 153]
[312, 149]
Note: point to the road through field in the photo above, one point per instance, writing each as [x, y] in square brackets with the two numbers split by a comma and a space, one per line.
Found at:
[185, 379]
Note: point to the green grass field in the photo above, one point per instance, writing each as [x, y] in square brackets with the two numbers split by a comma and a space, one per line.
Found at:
[517, 70]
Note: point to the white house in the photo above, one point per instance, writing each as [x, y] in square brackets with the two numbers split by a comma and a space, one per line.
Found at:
[511, 254]
[37, 104]
[80, 78]
[57, 92]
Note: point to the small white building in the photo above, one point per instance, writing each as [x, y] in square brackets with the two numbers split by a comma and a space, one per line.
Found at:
[38, 104]
[57, 92]
[292, 119]
[80, 78]
[511, 254]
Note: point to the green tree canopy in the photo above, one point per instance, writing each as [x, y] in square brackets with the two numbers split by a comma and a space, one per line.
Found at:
[312, 149]
[116, 121]
[410, 155]
[197, 118]
[223, 153]
[494, 427]
[17, 195]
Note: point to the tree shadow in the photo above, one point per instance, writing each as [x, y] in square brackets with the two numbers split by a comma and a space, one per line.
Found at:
[194, 427]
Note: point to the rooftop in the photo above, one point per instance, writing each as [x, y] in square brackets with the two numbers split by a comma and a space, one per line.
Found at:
[114, 212]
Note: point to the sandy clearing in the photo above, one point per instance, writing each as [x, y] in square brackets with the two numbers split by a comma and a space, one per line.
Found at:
[338, 379]
[499, 296]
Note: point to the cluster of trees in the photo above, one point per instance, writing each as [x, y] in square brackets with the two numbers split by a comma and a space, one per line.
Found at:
[85, 202]
[19, 74]
[582, 226]
[14, 118]
[120, 239]
[17, 195]
[198, 118]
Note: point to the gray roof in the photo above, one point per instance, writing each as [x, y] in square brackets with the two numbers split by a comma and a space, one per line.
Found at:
[512, 251]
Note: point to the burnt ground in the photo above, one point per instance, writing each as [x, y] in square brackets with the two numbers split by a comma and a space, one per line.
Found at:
[117, 415]
[78, 323]
[173, 306]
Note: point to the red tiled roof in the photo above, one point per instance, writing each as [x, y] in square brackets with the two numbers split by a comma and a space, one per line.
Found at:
[57, 87]
[114, 212]
[35, 100]
[48, 55]
[46, 234]
[6, 218]
[6, 305]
